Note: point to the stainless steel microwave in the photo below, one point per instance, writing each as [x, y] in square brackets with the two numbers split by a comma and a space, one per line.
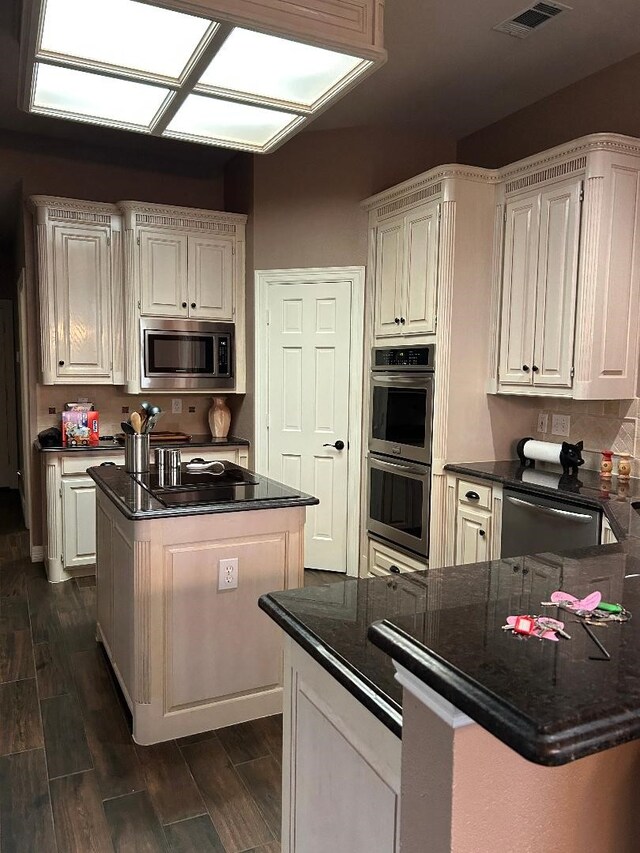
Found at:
[186, 355]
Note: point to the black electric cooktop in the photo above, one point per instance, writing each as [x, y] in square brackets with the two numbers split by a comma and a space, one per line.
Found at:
[218, 482]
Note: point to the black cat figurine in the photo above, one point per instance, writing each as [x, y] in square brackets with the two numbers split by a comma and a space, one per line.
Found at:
[571, 457]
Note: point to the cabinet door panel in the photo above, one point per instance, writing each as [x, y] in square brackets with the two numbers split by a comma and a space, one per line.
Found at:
[557, 282]
[519, 290]
[163, 273]
[78, 521]
[421, 234]
[82, 294]
[473, 536]
[388, 279]
[210, 265]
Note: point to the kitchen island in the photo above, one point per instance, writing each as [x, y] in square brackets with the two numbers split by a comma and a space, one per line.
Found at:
[473, 747]
[179, 569]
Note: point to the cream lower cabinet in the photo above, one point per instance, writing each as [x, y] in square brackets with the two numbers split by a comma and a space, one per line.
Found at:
[340, 767]
[474, 520]
[79, 268]
[566, 273]
[69, 504]
[385, 561]
[608, 537]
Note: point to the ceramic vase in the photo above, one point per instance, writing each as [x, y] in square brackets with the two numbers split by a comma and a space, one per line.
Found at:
[624, 466]
[606, 465]
[219, 418]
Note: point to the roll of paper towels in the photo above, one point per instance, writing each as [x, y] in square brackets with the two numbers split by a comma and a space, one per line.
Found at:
[542, 451]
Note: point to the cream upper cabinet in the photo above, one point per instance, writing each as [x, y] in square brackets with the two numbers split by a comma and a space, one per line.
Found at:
[163, 273]
[80, 291]
[567, 272]
[184, 263]
[541, 245]
[406, 273]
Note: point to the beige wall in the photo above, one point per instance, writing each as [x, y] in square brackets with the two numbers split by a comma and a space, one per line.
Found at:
[604, 102]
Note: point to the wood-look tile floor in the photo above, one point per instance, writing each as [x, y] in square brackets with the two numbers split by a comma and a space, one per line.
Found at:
[71, 778]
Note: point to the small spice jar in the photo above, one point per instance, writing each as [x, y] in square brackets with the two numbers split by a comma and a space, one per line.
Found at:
[606, 465]
[624, 466]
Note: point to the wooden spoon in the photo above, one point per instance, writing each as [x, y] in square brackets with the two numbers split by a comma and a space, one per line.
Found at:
[136, 422]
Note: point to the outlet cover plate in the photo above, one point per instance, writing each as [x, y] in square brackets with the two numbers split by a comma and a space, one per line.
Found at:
[176, 406]
[228, 574]
[561, 425]
[543, 422]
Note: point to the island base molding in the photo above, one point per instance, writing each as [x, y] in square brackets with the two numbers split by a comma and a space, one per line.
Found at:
[188, 656]
[464, 790]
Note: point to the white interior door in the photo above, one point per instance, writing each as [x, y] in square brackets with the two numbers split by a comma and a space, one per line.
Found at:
[8, 438]
[309, 352]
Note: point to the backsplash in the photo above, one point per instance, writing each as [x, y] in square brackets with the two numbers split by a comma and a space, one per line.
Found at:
[109, 402]
[600, 424]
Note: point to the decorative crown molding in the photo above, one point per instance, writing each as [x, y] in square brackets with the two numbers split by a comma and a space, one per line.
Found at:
[426, 180]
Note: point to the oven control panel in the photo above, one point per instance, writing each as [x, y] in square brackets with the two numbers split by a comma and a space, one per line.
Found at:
[404, 358]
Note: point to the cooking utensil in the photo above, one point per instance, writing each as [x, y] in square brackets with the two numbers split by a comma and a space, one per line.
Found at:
[127, 429]
[151, 421]
[136, 422]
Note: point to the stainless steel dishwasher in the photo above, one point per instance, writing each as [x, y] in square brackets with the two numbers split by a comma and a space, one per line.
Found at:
[532, 524]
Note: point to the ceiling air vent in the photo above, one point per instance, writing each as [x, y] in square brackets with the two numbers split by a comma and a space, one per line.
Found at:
[524, 23]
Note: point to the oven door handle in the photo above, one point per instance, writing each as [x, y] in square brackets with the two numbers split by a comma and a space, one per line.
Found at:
[395, 466]
[415, 380]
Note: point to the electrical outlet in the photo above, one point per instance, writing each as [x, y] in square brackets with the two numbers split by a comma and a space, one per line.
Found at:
[176, 406]
[543, 422]
[561, 425]
[228, 573]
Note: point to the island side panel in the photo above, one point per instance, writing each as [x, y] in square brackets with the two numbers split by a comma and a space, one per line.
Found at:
[191, 657]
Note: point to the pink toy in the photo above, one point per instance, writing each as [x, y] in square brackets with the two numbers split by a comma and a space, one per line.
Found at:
[572, 603]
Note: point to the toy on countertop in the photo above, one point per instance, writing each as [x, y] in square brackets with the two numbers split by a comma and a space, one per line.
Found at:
[568, 455]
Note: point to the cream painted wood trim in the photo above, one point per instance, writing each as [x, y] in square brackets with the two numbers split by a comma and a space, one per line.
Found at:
[192, 218]
[443, 342]
[440, 706]
[25, 410]
[496, 298]
[117, 305]
[354, 277]
[427, 180]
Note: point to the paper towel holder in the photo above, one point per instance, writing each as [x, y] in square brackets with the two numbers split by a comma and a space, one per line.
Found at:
[568, 455]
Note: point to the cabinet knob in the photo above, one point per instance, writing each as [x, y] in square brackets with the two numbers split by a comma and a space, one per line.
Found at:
[482, 532]
[525, 367]
[61, 363]
[394, 569]
[535, 369]
[396, 320]
[472, 496]
[184, 304]
[193, 304]
[402, 320]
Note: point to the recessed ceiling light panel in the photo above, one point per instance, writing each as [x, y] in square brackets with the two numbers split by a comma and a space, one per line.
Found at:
[277, 69]
[121, 34]
[216, 121]
[94, 97]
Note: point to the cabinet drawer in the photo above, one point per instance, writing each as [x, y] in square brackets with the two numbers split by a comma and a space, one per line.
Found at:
[382, 559]
[77, 463]
[474, 494]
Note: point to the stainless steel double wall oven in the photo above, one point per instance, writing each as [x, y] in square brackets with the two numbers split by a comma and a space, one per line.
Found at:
[401, 413]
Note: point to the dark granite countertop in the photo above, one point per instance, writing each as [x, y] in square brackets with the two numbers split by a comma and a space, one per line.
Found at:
[111, 445]
[614, 497]
[546, 700]
[138, 504]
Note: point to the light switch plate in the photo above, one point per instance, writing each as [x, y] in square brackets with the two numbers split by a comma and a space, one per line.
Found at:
[561, 425]
[543, 422]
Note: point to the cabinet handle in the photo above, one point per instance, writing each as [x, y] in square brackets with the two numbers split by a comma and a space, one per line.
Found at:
[472, 496]
[535, 369]
[482, 532]
[61, 363]
[402, 320]
[184, 304]
[193, 304]
[394, 569]
[525, 367]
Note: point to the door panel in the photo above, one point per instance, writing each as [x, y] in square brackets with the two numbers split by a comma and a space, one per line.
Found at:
[422, 231]
[473, 536]
[82, 293]
[388, 279]
[309, 355]
[519, 291]
[79, 521]
[210, 266]
[163, 273]
[557, 283]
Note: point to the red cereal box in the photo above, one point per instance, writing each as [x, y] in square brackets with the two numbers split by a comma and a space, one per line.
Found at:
[80, 429]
